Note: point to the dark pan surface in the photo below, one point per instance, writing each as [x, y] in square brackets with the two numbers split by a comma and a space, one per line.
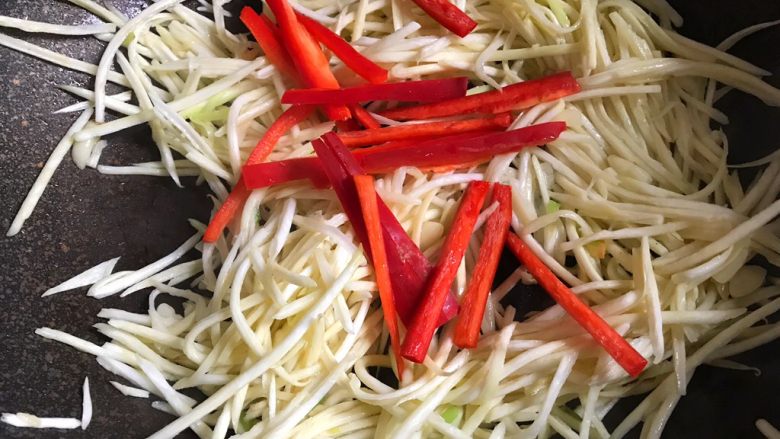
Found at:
[85, 218]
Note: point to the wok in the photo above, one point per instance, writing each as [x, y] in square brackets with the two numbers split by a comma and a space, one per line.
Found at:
[85, 218]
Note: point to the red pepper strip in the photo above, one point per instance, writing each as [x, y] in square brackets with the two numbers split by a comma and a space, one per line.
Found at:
[450, 168]
[347, 125]
[428, 90]
[411, 276]
[286, 121]
[448, 15]
[364, 117]
[356, 139]
[512, 97]
[353, 59]
[409, 266]
[284, 171]
[307, 55]
[368, 204]
[420, 332]
[617, 347]
[277, 35]
[341, 180]
[475, 298]
[395, 144]
[445, 151]
[265, 33]
[226, 212]
[448, 151]
[291, 117]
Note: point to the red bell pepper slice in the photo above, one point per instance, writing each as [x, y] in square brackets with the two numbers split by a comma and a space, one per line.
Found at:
[368, 204]
[348, 125]
[409, 266]
[458, 150]
[617, 347]
[448, 15]
[344, 51]
[291, 117]
[512, 97]
[475, 298]
[265, 33]
[394, 144]
[288, 119]
[307, 55]
[226, 212]
[364, 117]
[420, 333]
[356, 139]
[466, 149]
[428, 90]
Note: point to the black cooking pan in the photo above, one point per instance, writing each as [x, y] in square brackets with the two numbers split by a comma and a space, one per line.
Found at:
[85, 218]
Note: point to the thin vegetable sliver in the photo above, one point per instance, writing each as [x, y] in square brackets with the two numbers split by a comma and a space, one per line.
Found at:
[409, 267]
[612, 342]
[420, 333]
[512, 97]
[427, 90]
[437, 153]
[364, 184]
[476, 295]
[358, 138]
[307, 55]
[353, 59]
[291, 117]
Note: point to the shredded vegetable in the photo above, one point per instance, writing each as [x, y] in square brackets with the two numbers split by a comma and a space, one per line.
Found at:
[86, 406]
[27, 420]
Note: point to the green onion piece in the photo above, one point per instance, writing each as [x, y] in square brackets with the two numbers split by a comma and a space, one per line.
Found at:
[553, 206]
[246, 423]
[129, 39]
[213, 102]
[209, 115]
[452, 413]
[557, 9]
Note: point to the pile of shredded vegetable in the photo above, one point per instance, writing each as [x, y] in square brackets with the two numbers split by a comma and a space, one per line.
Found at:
[281, 329]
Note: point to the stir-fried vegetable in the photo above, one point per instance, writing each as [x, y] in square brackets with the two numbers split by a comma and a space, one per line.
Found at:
[513, 97]
[420, 331]
[365, 118]
[428, 130]
[448, 15]
[351, 57]
[625, 355]
[309, 60]
[476, 295]
[293, 116]
[429, 90]
[456, 151]
[364, 184]
[409, 267]
[267, 36]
